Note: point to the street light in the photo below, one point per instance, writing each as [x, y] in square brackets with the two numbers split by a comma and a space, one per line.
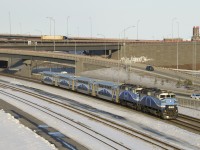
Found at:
[90, 26]
[50, 23]
[51, 18]
[104, 42]
[75, 57]
[177, 44]
[10, 23]
[124, 38]
[173, 19]
[137, 28]
[54, 45]
[118, 59]
[67, 25]
[75, 54]
[177, 55]
[20, 28]
[124, 31]
[178, 28]
[120, 40]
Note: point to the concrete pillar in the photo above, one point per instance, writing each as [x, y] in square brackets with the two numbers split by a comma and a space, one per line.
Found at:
[79, 66]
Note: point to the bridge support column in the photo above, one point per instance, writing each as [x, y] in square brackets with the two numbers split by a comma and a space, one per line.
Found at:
[110, 52]
[79, 66]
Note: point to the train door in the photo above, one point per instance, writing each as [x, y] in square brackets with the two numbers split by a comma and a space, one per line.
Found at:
[116, 95]
[73, 84]
[93, 89]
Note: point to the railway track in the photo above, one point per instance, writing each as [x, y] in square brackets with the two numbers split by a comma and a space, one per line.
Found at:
[100, 137]
[187, 122]
[122, 128]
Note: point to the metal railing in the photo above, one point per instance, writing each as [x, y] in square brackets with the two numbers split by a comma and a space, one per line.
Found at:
[190, 103]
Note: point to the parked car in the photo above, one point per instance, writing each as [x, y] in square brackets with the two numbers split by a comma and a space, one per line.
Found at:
[149, 68]
[195, 96]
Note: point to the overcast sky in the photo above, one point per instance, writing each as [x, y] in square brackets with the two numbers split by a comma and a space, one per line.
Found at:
[108, 18]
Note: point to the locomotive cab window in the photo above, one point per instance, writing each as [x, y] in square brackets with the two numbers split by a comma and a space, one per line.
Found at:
[173, 96]
[162, 96]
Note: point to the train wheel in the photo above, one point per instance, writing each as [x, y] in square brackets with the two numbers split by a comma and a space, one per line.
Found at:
[138, 108]
[123, 103]
[143, 109]
[162, 116]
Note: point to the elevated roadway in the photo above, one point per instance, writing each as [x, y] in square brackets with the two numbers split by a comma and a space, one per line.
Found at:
[83, 63]
[33, 42]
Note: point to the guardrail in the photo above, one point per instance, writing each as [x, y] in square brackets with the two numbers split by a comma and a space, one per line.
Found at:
[190, 103]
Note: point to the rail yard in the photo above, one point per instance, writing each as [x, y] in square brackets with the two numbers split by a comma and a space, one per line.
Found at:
[107, 119]
[99, 75]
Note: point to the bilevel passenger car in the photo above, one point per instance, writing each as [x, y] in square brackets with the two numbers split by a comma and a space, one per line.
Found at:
[148, 100]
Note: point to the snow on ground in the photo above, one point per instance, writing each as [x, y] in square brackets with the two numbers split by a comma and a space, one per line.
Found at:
[70, 131]
[15, 136]
[151, 126]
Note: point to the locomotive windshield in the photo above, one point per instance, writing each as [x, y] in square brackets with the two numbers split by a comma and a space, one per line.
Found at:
[166, 95]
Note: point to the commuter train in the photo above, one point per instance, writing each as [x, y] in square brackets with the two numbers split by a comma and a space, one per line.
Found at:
[149, 100]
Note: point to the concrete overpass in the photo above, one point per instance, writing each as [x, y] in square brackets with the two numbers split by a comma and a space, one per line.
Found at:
[30, 42]
[65, 46]
[29, 58]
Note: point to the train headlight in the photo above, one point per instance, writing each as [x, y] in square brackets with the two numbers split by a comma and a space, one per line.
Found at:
[170, 106]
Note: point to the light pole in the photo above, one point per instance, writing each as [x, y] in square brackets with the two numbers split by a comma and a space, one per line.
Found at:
[54, 45]
[173, 19]
[75, 57]
[78, 31]
[118, 59]
[178, 29]
[10, 23]
[124, 44]
[177, 56]
[194, 59]
[194, 55]
[90, 27]
[68, 25]
[124, 38]
[20, 28]
[75, 54]
[137, 28]
[177, 45]
[50, 18]
[104, 42]
[120, 40]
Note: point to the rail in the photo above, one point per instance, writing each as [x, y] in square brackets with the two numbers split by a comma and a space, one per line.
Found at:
[122, 128]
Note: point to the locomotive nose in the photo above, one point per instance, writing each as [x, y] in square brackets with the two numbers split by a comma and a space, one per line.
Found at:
[170, 101]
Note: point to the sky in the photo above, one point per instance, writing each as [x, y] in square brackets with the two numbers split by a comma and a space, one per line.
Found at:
[147, 19]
